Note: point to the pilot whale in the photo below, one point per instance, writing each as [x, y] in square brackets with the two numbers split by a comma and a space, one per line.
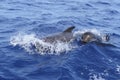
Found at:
[65, 36]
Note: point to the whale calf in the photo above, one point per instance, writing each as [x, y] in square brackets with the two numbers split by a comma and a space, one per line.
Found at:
[91, 37]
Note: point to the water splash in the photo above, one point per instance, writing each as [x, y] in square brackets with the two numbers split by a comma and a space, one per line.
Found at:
[96, 77]
[28, 41]
[79, 33]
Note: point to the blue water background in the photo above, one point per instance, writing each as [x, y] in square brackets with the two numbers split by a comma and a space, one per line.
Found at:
[43, 17]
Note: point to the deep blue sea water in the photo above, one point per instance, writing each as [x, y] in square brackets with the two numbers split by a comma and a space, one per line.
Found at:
[28, 20]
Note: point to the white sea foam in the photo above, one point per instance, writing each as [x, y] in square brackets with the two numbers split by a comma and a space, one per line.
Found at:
[23, 41]
[96, 77]
[118, 69]
[26, 41]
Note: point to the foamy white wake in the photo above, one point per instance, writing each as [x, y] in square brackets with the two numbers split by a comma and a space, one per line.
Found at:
[27, 41]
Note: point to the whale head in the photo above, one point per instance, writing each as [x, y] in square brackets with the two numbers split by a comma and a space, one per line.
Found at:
[91, 37]
[88, 37]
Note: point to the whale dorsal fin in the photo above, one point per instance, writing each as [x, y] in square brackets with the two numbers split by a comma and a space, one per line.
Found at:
[69, 29]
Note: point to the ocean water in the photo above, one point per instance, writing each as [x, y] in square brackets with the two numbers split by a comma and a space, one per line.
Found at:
[22, 22]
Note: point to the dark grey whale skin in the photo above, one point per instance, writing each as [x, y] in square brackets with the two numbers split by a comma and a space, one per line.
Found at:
[65, 36]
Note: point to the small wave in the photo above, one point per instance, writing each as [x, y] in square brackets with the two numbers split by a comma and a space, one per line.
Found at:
[33, 44]
[103, 3]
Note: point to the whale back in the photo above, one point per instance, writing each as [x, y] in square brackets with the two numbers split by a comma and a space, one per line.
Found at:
[65, 36]
[70, 29]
